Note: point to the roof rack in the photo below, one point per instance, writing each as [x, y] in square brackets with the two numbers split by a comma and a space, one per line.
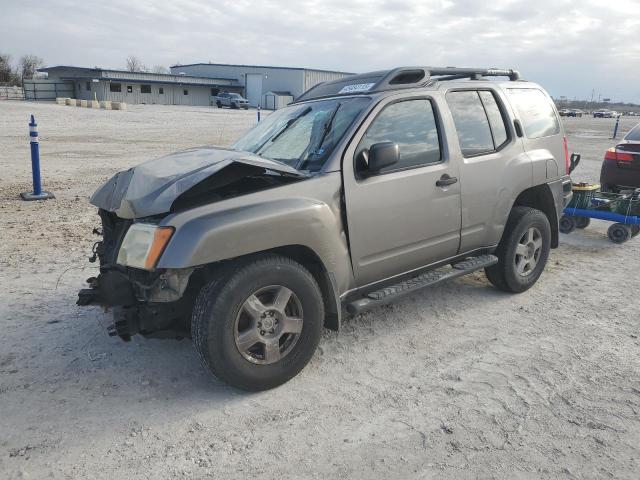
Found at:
[400, 78]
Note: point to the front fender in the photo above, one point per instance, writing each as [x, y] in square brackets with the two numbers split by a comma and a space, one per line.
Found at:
[262, 221]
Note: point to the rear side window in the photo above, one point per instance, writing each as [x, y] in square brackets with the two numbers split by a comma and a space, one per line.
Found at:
[634, 134]
[471, 122]
[535, 111]
[412, 125]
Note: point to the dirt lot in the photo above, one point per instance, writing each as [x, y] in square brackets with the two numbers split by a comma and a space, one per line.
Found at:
[459, 381]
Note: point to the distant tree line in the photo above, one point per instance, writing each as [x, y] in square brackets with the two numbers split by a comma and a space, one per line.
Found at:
[24, 69]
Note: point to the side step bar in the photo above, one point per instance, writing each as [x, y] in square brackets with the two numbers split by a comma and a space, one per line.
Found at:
[391, 293]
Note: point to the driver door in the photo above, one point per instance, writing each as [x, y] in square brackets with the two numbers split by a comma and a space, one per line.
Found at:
[399, 219]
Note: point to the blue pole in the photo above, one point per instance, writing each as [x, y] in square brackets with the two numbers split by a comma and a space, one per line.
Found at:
[35, 157]
[258, 113]
[38, 193]
[615, 129]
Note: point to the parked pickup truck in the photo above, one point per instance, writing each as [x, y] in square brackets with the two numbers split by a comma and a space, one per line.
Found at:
[365, 189]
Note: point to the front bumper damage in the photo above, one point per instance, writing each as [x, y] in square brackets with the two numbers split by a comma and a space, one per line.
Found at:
[154, 304]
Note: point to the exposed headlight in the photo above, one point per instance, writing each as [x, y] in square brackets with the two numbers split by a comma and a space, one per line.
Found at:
[143, 244]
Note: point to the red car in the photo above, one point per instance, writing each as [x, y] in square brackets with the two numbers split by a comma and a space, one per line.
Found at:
[621, 166]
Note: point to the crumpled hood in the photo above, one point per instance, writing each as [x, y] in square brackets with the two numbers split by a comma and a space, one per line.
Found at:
[151, 187]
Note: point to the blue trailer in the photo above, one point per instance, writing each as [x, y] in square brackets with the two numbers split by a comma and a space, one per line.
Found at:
[622, 208]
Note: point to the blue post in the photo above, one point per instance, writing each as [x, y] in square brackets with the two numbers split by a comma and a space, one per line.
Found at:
[258, 113]
[615, 129]
[37, 193]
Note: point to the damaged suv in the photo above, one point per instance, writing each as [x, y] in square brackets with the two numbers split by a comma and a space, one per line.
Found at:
[365, 189]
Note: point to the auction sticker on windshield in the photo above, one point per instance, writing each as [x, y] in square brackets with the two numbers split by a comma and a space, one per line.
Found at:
[357, 87]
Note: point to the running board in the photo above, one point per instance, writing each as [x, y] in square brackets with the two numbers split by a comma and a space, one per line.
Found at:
[389, 294]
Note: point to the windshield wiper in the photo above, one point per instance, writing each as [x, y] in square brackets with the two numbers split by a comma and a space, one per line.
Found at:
[327, 128]
[284, 128]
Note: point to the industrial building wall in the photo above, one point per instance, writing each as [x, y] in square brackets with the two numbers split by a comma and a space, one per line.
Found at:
[171, 94]
[314, 77]
[276, 79]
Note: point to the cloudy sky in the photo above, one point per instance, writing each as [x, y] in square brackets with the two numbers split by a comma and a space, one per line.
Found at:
[572, 47]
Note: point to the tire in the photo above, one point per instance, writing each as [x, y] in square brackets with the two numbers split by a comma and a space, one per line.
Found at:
[234, 106]
[219, 104]
[582, 222]
[523, 251]
[568, 224]
[635, 230]
[228, 308]
[619, 233]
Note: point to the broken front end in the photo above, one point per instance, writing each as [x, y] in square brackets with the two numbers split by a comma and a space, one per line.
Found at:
[133, 205]
[148, 302]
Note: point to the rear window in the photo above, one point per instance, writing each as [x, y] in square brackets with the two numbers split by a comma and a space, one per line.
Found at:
[536, 112]
[634, 134]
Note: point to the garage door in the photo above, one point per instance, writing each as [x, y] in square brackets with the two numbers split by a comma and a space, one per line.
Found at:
[254, 88]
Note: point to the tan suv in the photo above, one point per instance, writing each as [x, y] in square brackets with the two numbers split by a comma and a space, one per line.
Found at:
[365, 189]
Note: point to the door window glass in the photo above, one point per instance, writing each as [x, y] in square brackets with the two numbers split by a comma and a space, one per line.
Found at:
[496, 120]
[471, 122]
[412, 125]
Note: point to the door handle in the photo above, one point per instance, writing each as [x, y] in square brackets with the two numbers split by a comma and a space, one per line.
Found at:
[446, 180]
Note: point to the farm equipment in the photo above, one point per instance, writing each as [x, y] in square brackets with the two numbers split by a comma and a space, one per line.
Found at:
[622, 208]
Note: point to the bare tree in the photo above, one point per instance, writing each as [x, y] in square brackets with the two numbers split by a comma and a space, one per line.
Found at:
[160, 69]
[6, 73]
[28, 66]
[134, 64]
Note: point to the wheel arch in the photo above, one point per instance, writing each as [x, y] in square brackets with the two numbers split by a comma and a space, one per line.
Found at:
[541, 198]
[312, 262]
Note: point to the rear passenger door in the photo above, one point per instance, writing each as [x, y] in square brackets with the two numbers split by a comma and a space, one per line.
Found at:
[493, 165]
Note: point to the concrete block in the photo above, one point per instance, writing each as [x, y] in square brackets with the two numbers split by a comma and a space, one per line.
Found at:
[119, 105]
[106, 105]
[93, 104]
[61, 100]
[83, 103]
[79, 102]
[71, 101]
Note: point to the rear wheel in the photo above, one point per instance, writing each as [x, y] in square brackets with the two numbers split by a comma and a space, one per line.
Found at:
[258, 326]
[522, 252]
[619, 233]
[219, 104]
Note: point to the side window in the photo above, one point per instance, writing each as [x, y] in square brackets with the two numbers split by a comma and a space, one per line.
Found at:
[471, 122]
[145, 88]
[536, 112]
[129, 89]
[115, 87]
[496, 120]
[412, 125]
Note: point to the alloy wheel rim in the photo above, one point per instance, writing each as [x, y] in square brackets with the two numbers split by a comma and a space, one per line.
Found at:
[528, 251]
[268, 324]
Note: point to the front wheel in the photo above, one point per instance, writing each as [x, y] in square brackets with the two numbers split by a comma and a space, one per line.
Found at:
[219, 104]
[619, 233]
[259, 325]
[522, 252]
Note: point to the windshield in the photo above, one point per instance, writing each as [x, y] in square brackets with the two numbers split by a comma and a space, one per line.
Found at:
[303, 136]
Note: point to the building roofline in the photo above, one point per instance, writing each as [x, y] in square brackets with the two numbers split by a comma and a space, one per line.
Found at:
[99, 69]
[260, 66]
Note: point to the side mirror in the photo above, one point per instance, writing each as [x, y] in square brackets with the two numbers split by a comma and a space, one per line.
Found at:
[574, 161]
[382, 155]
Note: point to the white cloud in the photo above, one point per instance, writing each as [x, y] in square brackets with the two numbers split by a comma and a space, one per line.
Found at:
[570, 47]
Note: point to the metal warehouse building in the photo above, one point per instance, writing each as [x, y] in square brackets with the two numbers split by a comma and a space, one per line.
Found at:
[139, 87]
[272, 87]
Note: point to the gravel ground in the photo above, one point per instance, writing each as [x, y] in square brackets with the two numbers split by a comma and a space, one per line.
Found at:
[457, 381]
